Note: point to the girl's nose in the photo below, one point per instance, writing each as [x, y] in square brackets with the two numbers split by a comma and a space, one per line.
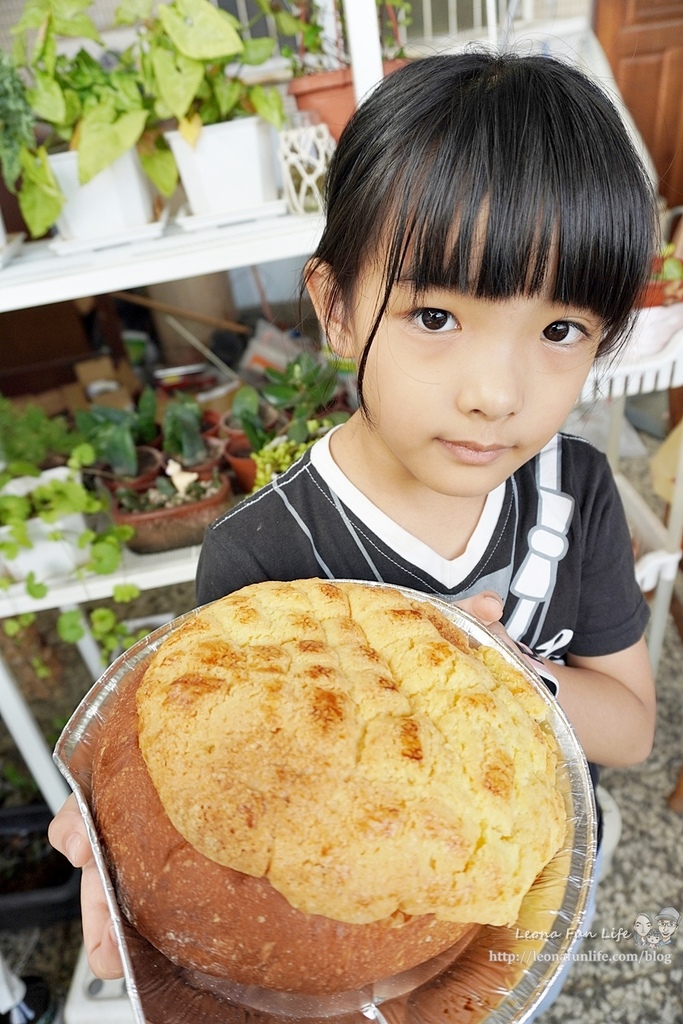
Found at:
[490, 382]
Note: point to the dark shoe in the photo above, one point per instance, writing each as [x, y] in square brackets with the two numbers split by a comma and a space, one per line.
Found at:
[37, 1006]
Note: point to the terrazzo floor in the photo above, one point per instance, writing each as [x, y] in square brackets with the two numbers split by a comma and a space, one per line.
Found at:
[646, 872]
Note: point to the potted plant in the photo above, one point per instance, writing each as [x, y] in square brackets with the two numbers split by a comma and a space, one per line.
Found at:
[184, 439]
[16, 134]
[47, 514]
[300, 395]
[189, 56]
[322, 82]
[92, 119]
[123, 441]
[44, 533]
[173, 512]
[666, 280]
[31, 440]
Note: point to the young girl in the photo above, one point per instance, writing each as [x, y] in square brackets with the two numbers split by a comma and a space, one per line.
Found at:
[489, 229]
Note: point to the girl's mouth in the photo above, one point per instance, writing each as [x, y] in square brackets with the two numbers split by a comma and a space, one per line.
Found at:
[473, 454]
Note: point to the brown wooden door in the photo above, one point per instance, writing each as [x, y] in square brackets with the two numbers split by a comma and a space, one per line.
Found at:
[643, 40]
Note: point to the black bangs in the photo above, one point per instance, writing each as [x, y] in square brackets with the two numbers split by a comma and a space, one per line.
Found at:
[496, 175]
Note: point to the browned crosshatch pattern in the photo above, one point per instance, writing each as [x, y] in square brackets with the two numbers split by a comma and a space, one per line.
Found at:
[643, 40]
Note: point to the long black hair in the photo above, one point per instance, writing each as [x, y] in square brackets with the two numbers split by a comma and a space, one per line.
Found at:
[494, 174]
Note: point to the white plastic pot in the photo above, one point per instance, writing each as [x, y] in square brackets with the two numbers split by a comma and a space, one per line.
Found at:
[116, 200]
[231, 167]
[47, 558]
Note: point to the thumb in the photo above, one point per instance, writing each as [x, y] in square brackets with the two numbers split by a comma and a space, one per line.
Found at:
[487, 606]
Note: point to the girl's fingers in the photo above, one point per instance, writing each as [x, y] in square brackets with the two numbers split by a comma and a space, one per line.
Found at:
[67, 834]
[487, 606]
[98, 932]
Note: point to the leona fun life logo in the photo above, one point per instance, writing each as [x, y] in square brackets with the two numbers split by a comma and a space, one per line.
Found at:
[652, 932]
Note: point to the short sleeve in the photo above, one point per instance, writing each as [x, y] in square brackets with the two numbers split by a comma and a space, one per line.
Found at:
[612, 611]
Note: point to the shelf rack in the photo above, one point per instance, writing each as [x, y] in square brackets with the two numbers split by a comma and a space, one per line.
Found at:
[38, 276]
[659, 546]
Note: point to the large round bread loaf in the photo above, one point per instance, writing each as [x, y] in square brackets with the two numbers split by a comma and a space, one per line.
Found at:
[317, 785]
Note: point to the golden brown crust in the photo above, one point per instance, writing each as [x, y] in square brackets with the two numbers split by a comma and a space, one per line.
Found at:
[345, 750]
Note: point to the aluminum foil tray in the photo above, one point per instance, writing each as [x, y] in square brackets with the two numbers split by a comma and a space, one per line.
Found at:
[499, 978]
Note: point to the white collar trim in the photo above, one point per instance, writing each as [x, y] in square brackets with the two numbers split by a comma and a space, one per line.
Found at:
[449, 572]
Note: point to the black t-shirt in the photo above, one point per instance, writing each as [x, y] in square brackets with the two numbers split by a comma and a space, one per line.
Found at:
[556, 548]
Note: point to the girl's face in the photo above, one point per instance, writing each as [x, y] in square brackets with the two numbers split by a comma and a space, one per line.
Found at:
[462, 391]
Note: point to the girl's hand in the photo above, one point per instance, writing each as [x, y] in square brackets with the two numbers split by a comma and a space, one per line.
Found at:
[609, 700]
[68, 835]
[487, 607]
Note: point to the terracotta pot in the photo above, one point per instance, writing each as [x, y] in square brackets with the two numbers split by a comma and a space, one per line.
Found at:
[238, 457]
[330, 95]
[653, 295]
[244, 468]
[210, 423]
[150, 464]
[234, 436]
[214, 460]
[178, 527]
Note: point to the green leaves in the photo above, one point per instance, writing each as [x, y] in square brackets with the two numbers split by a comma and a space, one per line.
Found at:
[16, 121]
[13, 627]
[267, 103]
[70, 626]
[105, 556]
[228, 93]
[199, 30]
[178, 78]
[82, 455]
[47, 98]
[182, 431]
[159, 166]
[40, 199]
[34, 588]
[58, 17]
[131, 11]
[258, 50]
[288, 25]
[672, 269]
[59, 498]
[104, 138]
[245, 403]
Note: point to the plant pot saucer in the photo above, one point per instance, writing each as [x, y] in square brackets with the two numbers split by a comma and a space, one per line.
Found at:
[70, 246]
[11, 248]
[201, 221]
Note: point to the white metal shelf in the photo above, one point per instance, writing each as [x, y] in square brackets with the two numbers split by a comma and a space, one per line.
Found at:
[145, 571]
[38, 276]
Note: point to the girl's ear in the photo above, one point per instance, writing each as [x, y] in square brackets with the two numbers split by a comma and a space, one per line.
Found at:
[320, 285]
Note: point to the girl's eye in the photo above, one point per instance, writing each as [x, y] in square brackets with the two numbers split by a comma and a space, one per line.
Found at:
[435, 319]
[563, 332]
